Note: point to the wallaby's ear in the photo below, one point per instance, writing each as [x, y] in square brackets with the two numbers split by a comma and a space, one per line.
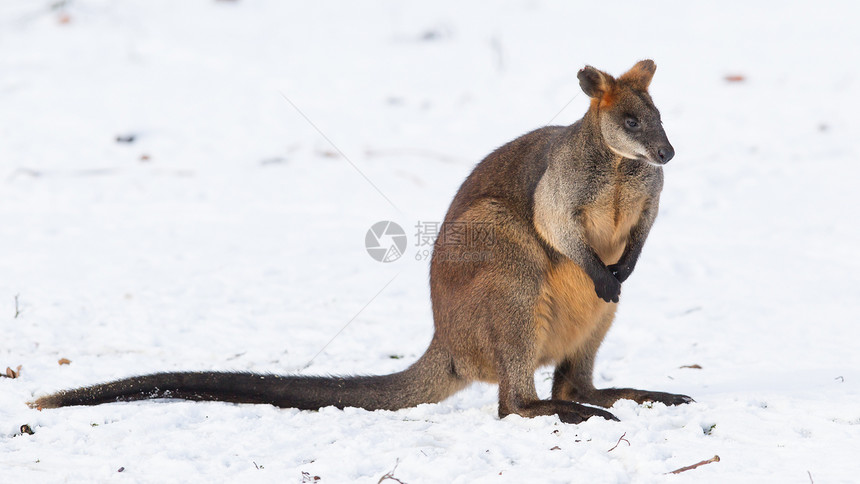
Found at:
[595, 83]
[639, 76]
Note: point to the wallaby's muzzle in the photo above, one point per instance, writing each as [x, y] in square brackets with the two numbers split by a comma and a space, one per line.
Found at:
[665, 153]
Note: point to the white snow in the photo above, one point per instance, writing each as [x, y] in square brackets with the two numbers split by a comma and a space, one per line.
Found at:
[239, 243]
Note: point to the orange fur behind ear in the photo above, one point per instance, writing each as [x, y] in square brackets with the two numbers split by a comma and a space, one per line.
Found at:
[608, 97]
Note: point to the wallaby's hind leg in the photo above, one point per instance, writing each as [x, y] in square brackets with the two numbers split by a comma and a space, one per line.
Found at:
[573, 378]
[517, 395]
[493, 331]
[516, 362]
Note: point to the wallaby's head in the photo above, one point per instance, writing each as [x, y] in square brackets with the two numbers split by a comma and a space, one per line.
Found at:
[629, 121]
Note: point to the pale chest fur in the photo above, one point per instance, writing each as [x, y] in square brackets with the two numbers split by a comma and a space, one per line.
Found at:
[609, 218]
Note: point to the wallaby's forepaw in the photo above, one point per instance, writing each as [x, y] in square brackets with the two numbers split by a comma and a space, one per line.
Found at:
[608, 288]
[584, 413]
[620, 271]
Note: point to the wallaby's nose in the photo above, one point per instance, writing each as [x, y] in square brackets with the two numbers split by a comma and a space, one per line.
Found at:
[666, 153]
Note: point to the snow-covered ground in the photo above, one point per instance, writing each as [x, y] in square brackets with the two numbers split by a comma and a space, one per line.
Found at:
[230, 233]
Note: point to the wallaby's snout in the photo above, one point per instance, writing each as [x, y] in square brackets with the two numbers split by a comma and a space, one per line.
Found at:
[660, 151]
[666, 153]
[649, 143]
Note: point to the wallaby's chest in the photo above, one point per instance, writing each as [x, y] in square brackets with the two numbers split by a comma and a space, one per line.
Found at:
[609, 218]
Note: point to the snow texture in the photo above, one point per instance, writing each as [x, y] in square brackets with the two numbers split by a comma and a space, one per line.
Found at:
[268, 136]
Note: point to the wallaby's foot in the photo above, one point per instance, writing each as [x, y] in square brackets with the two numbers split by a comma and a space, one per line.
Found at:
[584, 413]
[568, 412]
[663, 397]
[606, 397]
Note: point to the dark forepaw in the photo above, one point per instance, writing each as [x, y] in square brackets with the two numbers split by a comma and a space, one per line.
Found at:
[620, 271]
[584, 413]
[608, 288]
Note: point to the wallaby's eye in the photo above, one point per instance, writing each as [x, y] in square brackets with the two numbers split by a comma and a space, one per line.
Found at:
[631, 123]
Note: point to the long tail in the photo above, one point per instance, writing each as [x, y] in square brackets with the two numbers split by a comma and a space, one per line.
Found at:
[430, 379]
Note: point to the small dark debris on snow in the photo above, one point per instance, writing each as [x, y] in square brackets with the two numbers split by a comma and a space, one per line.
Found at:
[120, 469]
[64, 361]
[306, 477]
[555, 448]
[25, 171]
[431, 35]
[694, 366]
[126, 138]
[144, 157]
[735, 78]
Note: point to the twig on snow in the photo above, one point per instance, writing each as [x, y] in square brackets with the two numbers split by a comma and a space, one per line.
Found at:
[619, 442]
[390, 475]
[715, 458]
[306, 476]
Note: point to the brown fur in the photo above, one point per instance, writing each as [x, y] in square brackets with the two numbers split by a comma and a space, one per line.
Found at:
[567, 313]
[570, 209]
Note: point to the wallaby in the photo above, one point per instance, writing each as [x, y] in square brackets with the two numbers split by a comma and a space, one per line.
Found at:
[569, 209]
